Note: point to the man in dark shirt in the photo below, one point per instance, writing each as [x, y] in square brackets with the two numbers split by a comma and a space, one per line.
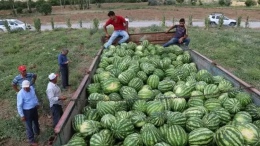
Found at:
[120, 29]
[180, 36]
[64, 69]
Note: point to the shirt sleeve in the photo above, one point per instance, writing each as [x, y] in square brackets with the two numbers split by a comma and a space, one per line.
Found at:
[50, 95]
[20, 104]
[122, 19]
[14, 82]
[109, 21]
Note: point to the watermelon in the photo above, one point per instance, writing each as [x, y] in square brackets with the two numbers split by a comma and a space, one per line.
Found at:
[107, 120]
[138, 119]
[92, 114]
[157, 118]
[194, 112]
[243, 117]
[253, 110]
[212, 104]
[166, 85]
[162, 144]
[178, 104]
[140, 105]
[110, 85]
[94, 88]
[195, 101]
[176, 118]
[121, 128]
[122, 115]
[89, 127]
[159, 73]
[200, 86]
[154, 106]
[211, 121]
[114, 97]
[134, 139]
[229, 136]
[136, 83]
[223, 114]
[194, 123]
[232, 105]
[176, 136]
[106, 107]
[76, 141]
[126, 76]
[104, 138]
[142, 75]
[153, 81]
[201, 136]
[95, 97]
[77, 121]
[150, 135]
[244, 99]
[250, 133]
[146, 93]
[211, 91]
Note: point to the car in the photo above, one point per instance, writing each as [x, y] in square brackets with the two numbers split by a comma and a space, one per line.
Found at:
[214, 19]
[14, 24]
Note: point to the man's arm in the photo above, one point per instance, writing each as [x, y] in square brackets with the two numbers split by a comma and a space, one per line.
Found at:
[170, 28]
[105, 27]
[20, 106]
[14, 85]
[34, 79]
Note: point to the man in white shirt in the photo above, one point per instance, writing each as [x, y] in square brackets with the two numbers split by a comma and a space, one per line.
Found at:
[54, 95]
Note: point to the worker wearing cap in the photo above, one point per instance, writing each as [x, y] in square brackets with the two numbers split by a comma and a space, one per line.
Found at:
[17, 81]
[27, 104]
[54, 95]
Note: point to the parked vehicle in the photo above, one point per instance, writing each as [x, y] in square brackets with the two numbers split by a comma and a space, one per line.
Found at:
[64, 130]
[14, 24]
[215, 17]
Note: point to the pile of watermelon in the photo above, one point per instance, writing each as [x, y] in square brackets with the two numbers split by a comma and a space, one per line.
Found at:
[147, 95]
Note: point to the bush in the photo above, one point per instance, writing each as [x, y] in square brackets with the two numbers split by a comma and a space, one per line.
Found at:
[152, 3]
[37, 24]
[169, 2]
[259, 2]
[180, 1]
[44, 8]
[193, 2]
[250, 3]
[224, 2]
[19, 10]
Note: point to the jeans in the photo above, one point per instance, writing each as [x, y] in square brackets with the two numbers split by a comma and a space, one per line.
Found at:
[31, 123]
[64, 76]
[186, 41]
[116, 34]
[56, 113]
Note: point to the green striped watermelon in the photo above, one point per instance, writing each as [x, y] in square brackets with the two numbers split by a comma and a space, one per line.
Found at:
[159, 73]
[212, 104]
[253, 110]
[140, 105]
[211, 121]
[243, 117]
[134, 139]
[92, 114]
[176, 118]
[154, 106]
[223, 114]
[110, 85]
[104, 138]
[194, 112]
[211, 91]
[176, 136]
[121, 128]
[146, 93]
[166, 85]
[94, 88]
[194, 123]
[162, 144]
[142, 75]
[157, 118]
[77, 121]
[89, 127]
[153, 81]
[178, 104]
[107, 120]
[76, 141]
[250, 133]
[150, 135]
[244, 99]
[106, 107]
[200, 137]
[126, 76]
[232, 105]
[138, 119]
[136, 83]
[229, 136]
[195, 101]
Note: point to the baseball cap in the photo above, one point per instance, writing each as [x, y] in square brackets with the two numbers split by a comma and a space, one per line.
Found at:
[25, 84]
[22, 68]
[52, 76]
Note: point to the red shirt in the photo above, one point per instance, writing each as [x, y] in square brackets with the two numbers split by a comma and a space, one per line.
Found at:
[118, 23]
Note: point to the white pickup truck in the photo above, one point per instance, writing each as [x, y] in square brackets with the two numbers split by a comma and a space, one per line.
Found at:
[14, 25]
[215, 17]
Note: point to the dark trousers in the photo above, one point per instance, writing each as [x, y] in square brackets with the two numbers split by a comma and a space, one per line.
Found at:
[175, 41]
[64, 76]
[31, 123]
[56, 113]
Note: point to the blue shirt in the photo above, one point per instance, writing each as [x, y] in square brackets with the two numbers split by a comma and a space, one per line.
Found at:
[180, 31]
[62, 59]
[26, 100]
[19, 79]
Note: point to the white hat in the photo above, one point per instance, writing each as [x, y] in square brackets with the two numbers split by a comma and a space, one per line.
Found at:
[52, 76]
[25, 84]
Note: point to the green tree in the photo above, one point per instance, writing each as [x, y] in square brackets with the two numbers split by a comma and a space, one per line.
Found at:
[180, 1]
[44, 8]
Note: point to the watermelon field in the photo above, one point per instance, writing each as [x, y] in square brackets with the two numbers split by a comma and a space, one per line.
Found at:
[236, 49]
[154, 96]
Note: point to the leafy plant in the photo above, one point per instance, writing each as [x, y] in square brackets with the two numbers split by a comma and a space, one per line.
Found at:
[200, 3]
[190, 20]
[180, 1]
[80, 23]
[153, 3]
[44, 8]
[37, 24]
[220, 22]
[95, 23]
[250, 3]
[19, 10]
[52, 23]
[163, 21]
[169, 2]
[193, 2]
[207, 23]
[247, 22]
[68, 23]
[221, 2]
[239, 21]
[7, 27]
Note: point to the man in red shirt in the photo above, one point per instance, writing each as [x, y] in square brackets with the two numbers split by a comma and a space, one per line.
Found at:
[120, 29]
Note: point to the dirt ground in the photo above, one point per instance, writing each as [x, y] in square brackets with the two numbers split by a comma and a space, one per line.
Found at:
[138, 11]
[135, 12]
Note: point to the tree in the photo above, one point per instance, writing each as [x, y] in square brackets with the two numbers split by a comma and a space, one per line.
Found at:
[44, 8]
[180, 1]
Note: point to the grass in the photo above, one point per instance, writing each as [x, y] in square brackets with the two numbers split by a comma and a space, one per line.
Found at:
[234, 49]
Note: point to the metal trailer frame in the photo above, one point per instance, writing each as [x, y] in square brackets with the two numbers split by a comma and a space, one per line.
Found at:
[64, 131]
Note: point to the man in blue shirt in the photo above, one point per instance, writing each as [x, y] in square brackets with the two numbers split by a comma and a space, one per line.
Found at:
[64, 69]
[17, 81]
[27, 104]
[180, 35]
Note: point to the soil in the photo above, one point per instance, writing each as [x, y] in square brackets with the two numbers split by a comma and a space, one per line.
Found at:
[134, 13]
[137, 11]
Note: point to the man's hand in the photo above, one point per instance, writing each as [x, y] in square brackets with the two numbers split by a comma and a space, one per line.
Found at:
[180, 40]
[23, 119]
[107, 35]
[62, 98]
